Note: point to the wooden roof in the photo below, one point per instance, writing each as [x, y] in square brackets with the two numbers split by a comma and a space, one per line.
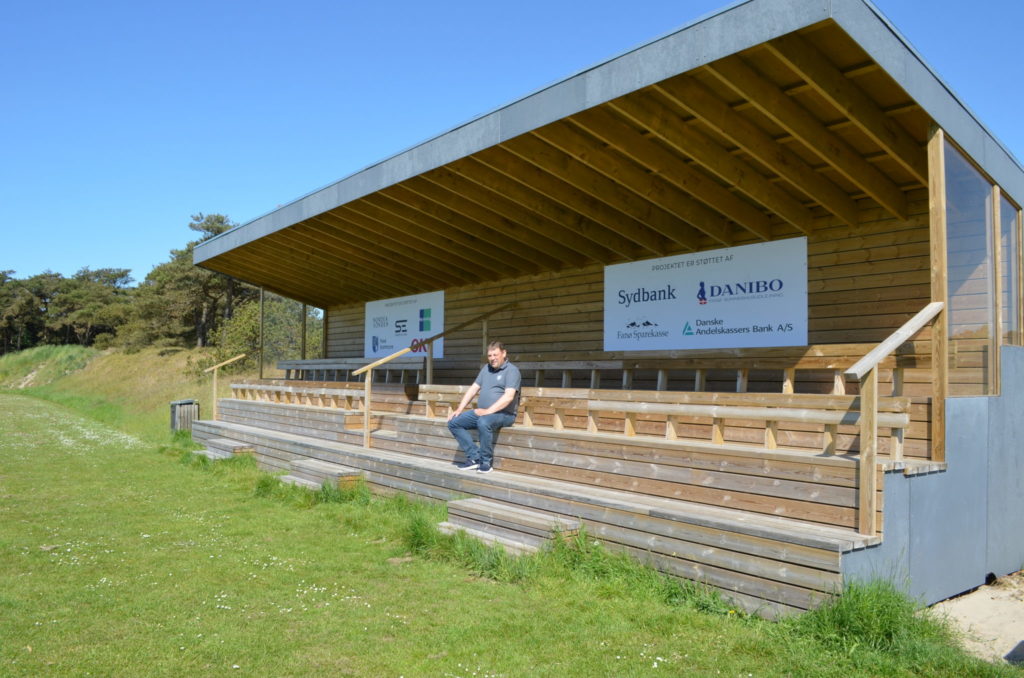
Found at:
[768, 141]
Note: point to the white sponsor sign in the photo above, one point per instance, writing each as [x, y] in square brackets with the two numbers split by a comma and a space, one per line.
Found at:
[749, 296]
[394, 324]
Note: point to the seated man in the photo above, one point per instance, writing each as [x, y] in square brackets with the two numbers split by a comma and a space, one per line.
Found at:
[498, 385]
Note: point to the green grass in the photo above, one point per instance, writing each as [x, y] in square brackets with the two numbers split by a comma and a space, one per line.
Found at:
[123, 554]
[42, 365]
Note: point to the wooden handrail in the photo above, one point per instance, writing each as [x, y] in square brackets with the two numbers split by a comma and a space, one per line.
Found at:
[226, 362]
[431, 340]
[897, 338]
[215, 369]
[866, 370]
[429, 344]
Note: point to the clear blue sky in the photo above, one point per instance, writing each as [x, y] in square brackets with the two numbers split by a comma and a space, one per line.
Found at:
[122, 119]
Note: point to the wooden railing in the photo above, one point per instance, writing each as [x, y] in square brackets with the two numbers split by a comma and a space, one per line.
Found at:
[866, 371]
[429, 343]
[215, 369]
[618, 412]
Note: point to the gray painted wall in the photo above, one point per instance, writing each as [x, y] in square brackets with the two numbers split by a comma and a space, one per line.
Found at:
[945, 532]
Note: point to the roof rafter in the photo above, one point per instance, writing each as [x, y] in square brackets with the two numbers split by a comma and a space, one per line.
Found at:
[773, 102]
[534, 241]
[362, 233]
[353, 249]
[380, 224]
[470, 249]
[478, 238]
[615, 131]
[515, 200]
[658, 117]
[691, 95]
[631, 214]
[554, 188]
[646, 185]
[829, 81]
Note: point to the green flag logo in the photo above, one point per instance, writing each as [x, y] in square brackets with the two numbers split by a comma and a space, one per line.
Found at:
[687, 330]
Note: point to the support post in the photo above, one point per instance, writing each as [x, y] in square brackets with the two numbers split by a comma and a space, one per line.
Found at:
[430, 362]
[939, 288]
[262, 353]
[367, 395]
[303, 347]
[867, 468]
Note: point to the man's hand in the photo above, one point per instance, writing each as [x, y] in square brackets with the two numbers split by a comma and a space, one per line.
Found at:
[454, 413]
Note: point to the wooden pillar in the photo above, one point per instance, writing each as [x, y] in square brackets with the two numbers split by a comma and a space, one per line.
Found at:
[261, 333]
[939, 288]
[323, 340]
[742, 380]
[996, 236]
[303, 344]
[367, 394]
[430, 363]
[867, 468]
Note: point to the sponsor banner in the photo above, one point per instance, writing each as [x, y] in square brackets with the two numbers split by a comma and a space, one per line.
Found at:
[749, 296]
[394, 324]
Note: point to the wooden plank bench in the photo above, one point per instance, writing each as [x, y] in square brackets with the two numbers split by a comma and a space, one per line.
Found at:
[321, 368]
[689, 414]
[785, 363]
[342, 398]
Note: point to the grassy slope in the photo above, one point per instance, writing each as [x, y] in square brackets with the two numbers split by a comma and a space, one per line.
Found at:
[116, 559]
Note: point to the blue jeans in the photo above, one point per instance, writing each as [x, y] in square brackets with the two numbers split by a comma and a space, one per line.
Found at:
[487, 427]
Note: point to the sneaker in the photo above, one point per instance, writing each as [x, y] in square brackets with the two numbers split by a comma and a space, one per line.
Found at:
[468, 465]
[484, 468]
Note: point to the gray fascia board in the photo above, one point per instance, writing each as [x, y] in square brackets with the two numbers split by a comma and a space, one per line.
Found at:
[729, 31]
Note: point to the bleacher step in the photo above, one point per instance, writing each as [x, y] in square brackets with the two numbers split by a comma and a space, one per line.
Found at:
[213, 454]
[512, 546]
[519, 518]
[301, 482]
[229, 447]
[319, 471]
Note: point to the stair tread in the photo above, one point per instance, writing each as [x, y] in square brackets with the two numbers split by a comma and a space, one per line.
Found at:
[324, 466]
[730, 519]
[213, 454]
[301, 482]
[486, 537]
[516, 514]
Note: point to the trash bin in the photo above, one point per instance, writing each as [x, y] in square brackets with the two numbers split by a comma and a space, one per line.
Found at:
[183, 413]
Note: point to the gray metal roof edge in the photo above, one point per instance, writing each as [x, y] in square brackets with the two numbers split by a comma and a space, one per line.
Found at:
[733, 28]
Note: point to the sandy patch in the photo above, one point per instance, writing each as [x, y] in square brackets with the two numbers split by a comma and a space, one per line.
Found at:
[991, 619]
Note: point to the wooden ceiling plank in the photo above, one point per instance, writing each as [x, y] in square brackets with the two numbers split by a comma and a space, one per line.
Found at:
[534, 243]
[647, 112]
[297, 258]
[513, 200]
[425, 243]
[377, 206]
[566, 195]
[701, 101]
[640, 221]
[613, 130]
[829, 82]
[278, 278]
[352, 254]
[229, 264]
[646, 185]
[364, 243]
[497, 239]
